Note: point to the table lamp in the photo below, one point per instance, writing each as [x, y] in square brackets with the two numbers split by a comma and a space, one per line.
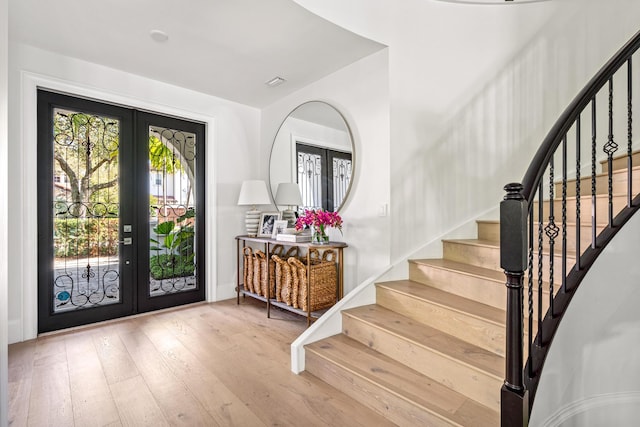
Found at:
[288, 193]
[253, 192]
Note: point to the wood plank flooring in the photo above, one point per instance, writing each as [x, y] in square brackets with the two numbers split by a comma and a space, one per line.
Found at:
[213, 364]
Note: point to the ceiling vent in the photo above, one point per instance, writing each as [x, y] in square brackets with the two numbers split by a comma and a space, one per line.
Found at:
[276, 81]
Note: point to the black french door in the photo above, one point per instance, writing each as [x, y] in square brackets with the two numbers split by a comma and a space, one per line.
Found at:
[120, 211]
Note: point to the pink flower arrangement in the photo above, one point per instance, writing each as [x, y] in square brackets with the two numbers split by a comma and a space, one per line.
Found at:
[319, 219]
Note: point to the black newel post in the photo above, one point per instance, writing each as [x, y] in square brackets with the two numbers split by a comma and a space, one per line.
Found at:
[513, 259]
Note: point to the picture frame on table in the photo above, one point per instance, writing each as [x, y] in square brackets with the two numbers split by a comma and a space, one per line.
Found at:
[278, 227]
[267, 223]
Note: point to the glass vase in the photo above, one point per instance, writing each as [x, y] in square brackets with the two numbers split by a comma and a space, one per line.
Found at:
[320, 237]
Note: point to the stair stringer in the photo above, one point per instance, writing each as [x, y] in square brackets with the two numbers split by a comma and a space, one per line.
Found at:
[365, 293]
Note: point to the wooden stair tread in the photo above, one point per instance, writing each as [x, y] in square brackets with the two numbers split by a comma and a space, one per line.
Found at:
[426, 336]
[586, 196]
[402, 381]
[474, 242]
[446, 299]
[635, 155]
[496, 245]
[605, 174]
[463, 268]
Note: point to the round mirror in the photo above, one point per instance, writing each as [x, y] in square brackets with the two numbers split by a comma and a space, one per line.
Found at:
[314, 150]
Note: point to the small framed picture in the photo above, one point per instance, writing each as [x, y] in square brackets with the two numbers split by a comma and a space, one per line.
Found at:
[267, 223]
[278, 227]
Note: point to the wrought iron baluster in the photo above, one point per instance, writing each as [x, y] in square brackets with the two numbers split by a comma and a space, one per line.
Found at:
[551, 230]
[593, 172]
[629, 133]
[578, 247]
[610, 148]
[530, 293]
[540, 244]
[564, 212]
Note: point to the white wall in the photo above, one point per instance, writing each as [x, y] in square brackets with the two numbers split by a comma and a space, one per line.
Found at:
[473, 90]
[360, 92]
[590, 377]
[4, 87]
[232, 135]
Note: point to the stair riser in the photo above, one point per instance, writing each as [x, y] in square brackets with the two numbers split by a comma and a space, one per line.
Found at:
[489, 257]
[480, 332]
[476, 288]
[601, 211]
[485, 291]
[370, 394]
[620, 163]
[489, 231]
[618, 184]
[493, 230]
[481, 256]
[475, 384]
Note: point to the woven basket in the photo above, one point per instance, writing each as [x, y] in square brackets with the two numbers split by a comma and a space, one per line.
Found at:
[260, 266]
[247, 282]
[321, 285]
[283, 280]
[259, 272]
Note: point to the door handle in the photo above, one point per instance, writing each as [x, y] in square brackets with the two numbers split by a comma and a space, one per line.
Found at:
[126, 241]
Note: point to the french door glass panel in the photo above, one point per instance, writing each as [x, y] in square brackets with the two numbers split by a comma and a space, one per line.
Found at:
[86, 210]
[172, 211]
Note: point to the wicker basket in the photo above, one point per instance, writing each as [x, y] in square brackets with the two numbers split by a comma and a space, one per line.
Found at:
[259, 272]
[321, 285]
[283, 280]
[247, 282]
[260, 266]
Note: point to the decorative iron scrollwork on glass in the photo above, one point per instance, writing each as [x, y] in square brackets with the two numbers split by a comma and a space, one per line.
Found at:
[85, 210]
[172, 155]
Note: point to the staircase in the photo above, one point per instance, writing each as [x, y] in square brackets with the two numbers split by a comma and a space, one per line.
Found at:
[431, 350]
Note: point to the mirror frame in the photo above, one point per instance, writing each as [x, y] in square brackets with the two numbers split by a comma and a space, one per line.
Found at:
[351, 140]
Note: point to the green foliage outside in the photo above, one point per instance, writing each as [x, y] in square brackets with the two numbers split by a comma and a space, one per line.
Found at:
[86, 151]
[164, 266]
[85, 237]
[176, 241]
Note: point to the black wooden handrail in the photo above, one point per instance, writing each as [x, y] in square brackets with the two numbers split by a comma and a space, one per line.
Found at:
[520, 223]
[553, 139]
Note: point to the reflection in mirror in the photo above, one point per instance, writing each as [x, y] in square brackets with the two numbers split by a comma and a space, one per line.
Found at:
[314, 149]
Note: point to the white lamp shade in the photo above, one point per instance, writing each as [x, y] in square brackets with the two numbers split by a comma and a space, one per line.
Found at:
[288, 193]
[254, 192]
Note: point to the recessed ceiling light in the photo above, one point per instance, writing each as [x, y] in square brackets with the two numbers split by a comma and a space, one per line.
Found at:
[159, 36]
[276, 81]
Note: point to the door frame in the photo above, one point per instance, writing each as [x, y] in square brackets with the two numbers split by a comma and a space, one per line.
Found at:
[25, 325]
[133, 259]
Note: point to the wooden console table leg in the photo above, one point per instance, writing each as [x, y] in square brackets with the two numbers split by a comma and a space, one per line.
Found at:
[308, 288]
[268, 293]
[340, 275]
[238, 270]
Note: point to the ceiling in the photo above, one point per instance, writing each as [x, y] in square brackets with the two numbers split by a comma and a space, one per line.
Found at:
[225, 48]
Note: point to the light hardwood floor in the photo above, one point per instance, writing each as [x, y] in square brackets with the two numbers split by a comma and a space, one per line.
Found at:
[203, 365]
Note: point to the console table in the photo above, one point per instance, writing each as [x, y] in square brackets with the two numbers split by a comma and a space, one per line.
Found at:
[268, 244]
